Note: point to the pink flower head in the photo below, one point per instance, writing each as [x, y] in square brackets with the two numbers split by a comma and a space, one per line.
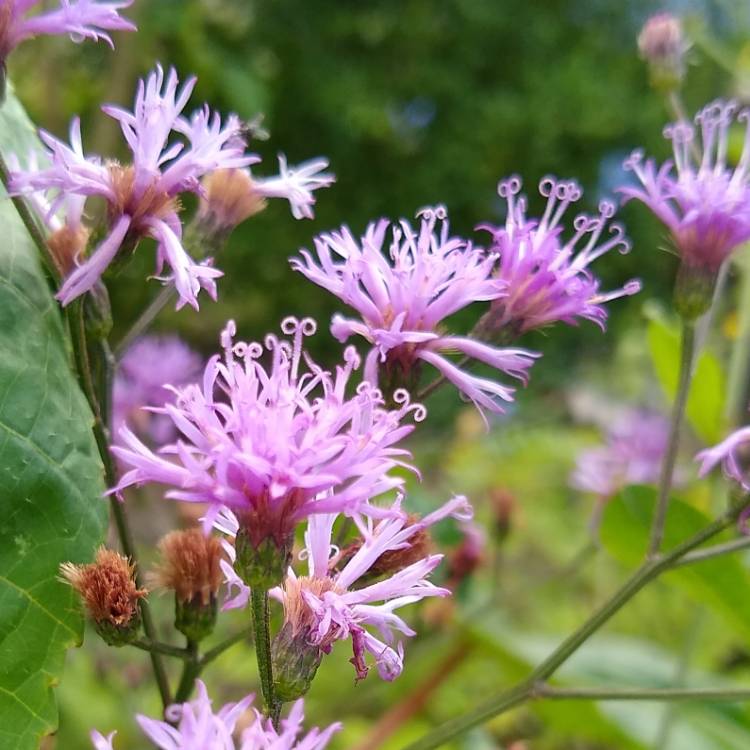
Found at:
[267, 440]
[81, 19]
[633, 453]
[143, 198]
[194, 726]
[546, 277]
[261, 735]
[335, 601]
[139, 384]
[705, 205]
[404, 294]
[732, 454]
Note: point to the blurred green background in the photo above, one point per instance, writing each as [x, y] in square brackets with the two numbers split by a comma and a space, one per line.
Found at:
[418, 102]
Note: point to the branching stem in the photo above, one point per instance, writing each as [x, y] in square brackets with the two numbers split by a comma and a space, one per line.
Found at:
[530, 687]
[687, 350]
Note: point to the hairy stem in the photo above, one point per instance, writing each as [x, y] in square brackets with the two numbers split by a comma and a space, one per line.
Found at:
[529, 687]
[259, 607]
[687, 350]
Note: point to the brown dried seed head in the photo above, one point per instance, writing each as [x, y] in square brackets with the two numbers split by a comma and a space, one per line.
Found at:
[106, 586]
[190, 565]
[230, 198]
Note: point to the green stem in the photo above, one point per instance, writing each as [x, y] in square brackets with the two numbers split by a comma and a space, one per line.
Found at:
[740, 362]
[526, 689]
[160, 648]
[714, 551]
[217, 651]
[145, 319]
[83, 364]
[259, 606]
[190, 671]
[687, 350]
[642, 694]
[32, 225]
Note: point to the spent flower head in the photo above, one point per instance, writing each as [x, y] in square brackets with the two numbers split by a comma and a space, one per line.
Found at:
[403, 290]
[80, 19]
[546, 276]
[110, 595]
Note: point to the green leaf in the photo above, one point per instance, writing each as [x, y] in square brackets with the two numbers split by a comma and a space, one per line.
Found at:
[705, 406]
[721, 583]
[50, 478]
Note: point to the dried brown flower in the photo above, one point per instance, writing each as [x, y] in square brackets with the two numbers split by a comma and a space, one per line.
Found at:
[190, 565]
[107, 587]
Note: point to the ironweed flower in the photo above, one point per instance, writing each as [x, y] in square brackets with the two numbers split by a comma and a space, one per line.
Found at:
[704, 204]
[194, 726]
[346, 590]
[81, 19]
[633, 453]
[139, 387]
[403, 301]
[143, 198]
[547, 278]
[337, 600]
[267, 440]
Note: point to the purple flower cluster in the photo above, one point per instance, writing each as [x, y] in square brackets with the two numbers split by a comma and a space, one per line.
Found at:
[195, 726]
[704, 203]
[81, 19]
[403, 291]
[547, 278]
[338, 600]
[267, 441]
[143, 198]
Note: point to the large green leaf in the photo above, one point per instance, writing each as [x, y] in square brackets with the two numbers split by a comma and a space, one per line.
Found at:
[721, 583]
[705, 406]
[50, 478]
